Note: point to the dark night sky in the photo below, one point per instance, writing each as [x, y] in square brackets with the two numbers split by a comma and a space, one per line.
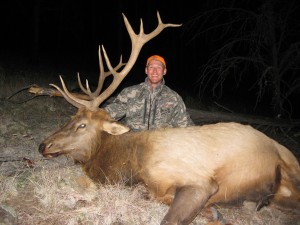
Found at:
[71, 31]
[65, 35]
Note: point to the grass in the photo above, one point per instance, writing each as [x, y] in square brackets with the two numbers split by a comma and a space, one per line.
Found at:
[58, 195]
[63, 195]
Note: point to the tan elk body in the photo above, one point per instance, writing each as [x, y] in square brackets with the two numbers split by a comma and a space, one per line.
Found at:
[187, 168]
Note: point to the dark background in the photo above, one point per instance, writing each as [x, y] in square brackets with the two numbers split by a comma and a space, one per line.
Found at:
[64, 35]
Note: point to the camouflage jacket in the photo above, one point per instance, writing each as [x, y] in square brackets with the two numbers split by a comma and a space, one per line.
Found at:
[142, 109]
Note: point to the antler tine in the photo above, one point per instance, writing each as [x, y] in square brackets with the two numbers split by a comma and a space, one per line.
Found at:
[101, 79]
[137, 42]
[77, 102]
[103, 74]
[160, 27]
[86, 90]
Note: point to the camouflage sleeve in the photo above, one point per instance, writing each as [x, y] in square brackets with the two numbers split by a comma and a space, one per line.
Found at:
[181, 117]
[117, 109]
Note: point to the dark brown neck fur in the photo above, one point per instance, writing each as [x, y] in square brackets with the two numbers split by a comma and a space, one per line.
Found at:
[117, 158]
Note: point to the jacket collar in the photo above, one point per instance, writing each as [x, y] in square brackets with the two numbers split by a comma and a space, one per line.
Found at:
[158, 88]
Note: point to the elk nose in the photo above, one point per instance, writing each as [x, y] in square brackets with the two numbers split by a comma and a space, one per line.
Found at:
[42, 147]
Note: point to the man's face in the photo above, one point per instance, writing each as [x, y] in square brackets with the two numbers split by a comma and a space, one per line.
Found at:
[155, 71]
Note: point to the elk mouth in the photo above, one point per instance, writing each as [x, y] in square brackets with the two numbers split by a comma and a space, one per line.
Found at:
[43, 149]
[51, 155]
[48, 151]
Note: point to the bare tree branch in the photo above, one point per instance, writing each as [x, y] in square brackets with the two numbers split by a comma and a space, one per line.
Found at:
[263, 42]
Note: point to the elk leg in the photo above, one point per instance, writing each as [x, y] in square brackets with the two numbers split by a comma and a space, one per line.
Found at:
[188, 202]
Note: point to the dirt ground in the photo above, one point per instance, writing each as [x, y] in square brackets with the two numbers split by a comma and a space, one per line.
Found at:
[23, 127]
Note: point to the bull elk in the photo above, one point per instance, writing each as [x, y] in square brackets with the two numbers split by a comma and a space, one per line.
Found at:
[186, 168]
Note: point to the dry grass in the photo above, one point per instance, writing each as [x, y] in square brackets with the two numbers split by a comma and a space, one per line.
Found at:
[63, 195]
[57, 196]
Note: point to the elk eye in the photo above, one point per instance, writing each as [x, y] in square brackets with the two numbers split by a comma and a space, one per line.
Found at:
[81, 126]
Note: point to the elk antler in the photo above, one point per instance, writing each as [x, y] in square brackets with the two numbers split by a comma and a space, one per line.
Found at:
[137, 42]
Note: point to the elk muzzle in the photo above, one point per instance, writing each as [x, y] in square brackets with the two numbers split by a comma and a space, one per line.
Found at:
[43, 150]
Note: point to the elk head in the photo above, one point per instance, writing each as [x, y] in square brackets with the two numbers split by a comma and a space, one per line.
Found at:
[74, 139]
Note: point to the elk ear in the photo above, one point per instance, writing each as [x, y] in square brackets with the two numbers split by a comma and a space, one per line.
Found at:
[115, 128]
